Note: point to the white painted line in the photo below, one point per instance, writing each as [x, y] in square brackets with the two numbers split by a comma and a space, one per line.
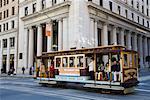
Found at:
[144, 78]
[143, 90]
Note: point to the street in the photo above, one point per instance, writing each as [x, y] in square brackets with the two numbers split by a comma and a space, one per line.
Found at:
[12, 88]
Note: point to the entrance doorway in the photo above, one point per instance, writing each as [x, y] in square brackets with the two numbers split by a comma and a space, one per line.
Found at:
[12, 61]
[55, 36]
[3, 70]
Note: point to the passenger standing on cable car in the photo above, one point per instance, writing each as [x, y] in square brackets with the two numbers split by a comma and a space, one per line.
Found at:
[91, 69]
[52, 70]
[115, 68]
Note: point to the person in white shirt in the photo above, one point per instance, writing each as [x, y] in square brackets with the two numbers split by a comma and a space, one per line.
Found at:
[91, 69]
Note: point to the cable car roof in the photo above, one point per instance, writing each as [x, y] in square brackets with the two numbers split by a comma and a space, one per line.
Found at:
[100, 49]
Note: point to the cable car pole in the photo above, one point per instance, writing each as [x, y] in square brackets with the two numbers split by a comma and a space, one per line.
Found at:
[95, 68]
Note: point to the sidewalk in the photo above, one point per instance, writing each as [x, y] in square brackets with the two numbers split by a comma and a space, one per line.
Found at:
[144, 72]
[17, 75]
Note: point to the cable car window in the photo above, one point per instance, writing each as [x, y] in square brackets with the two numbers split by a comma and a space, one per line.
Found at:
[135, 60]
[72, 61]
[65, 62]
[130, 61]
[125, 60]
[80, 61]
[58, 62]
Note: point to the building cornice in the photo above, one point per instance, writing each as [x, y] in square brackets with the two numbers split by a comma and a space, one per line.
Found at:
[26, 2]
[95, 6]
[131, 8]
[50, 9]
[8, 32]
[9, 18]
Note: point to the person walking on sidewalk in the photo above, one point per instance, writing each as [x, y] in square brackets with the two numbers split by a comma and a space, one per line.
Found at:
[23, 69]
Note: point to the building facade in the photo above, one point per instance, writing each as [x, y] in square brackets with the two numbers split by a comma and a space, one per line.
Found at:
[82, 23]
[8, 35]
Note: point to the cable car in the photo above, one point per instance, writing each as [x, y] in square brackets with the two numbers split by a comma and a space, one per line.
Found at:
[105, 67]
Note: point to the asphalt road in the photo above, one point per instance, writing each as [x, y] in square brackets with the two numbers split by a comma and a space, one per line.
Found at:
[27, 89]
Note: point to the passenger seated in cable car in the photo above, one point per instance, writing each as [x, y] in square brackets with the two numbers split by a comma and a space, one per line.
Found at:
[101, 72]
[52, 70]
[107, 71]
[91, 69]
[115, 69]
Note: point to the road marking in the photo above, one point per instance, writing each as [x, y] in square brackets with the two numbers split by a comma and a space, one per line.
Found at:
[143, 90]
[144, 84]
[144, 78]
[58, 93]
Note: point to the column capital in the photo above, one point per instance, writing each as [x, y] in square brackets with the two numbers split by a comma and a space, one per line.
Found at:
[60, 19]
[105, 23]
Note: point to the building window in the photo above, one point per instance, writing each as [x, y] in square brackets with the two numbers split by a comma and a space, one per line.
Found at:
[54, 2]
[26, 11]
[12, 24]
[110, 5]
[138, 5]
[34, 7]
[4, 14]
[142, 9]
[1, 3]
[13, 10]
[6, 26]
[119, 10]
[126, 13]
[101, 2]
[20, 55]
[7, 1]
[4, 2]
[132, 3]
[0, 15]
[43, 4]
[0, 28]
[147, 12]
[3, 27]
[132, 16]
[4, 43]
[7, 12]
[143, 22]
[12, 42]
[148, 24]
[138, 19]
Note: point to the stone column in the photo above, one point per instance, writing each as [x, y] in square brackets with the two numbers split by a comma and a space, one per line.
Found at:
[141, 50]
[105, 40]
[8, 55]
[145, 51]
[1, 54]
[16, 55]
[31, 48]
[105, 35]
[49, 42]
[60, 35]
[122, 37]
[129, 40]
[39, 41]
[65, 34]
[26, 48]
[38, 5]
[96, 33]
[92, 33]
[114, 35]
[135, 42]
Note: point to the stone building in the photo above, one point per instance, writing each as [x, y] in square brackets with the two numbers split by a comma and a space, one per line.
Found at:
[82, 23]
[8, 35]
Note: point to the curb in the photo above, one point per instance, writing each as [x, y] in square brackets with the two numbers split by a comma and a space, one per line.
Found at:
[16, 76]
